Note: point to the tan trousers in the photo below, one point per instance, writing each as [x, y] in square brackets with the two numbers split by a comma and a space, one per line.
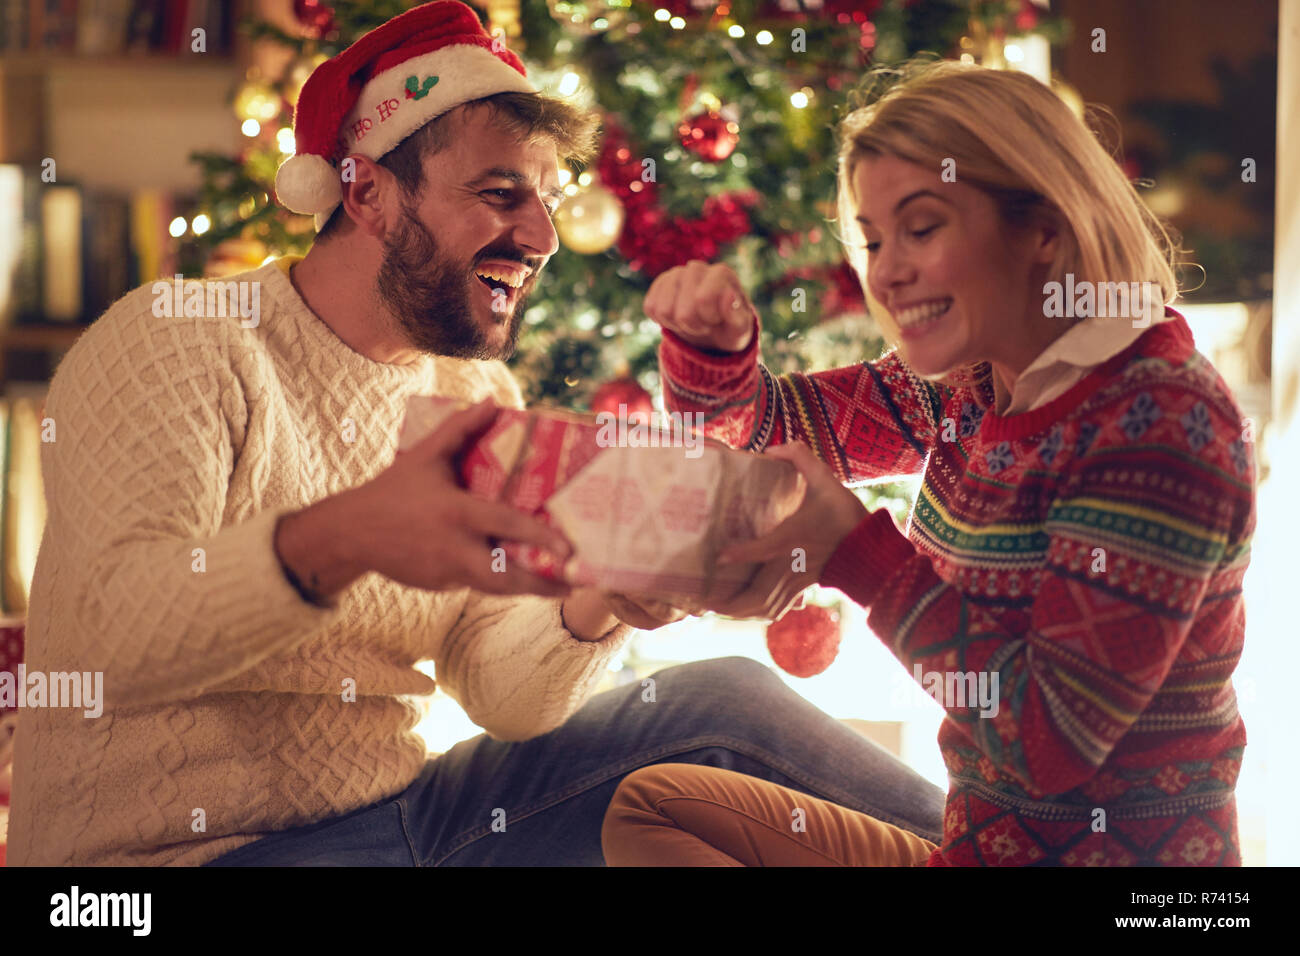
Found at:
[675, 814]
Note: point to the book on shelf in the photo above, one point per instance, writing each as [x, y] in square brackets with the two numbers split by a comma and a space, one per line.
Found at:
[67, 253]
[22, 499]
[115, 27]
[61, 261]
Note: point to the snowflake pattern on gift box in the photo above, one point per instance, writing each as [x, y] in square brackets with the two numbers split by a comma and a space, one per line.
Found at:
[971, 416]
[1196, 422]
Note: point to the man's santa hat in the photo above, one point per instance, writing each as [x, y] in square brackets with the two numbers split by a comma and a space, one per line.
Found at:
[383, 88]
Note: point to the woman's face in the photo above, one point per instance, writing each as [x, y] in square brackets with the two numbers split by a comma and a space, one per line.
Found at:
[960, 287]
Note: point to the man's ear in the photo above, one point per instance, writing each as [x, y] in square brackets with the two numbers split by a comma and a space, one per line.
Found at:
[369, 194]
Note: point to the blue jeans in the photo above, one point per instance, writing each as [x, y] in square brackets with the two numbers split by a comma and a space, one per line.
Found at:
[541, 802]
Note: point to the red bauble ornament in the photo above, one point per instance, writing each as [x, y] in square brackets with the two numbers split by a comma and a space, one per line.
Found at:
[636, 403]
[1027, 18]
[709, 135]
[805, 642]
[314, 15]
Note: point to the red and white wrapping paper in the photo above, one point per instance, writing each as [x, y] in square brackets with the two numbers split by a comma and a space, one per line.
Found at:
[642, 520]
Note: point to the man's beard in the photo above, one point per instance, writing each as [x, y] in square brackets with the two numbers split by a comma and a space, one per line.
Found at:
[429, 294]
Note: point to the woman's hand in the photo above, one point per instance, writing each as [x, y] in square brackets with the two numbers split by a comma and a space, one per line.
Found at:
[704, 304]
[641, 612]
[794, 553]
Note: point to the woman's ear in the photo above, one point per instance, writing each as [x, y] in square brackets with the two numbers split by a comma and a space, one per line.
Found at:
[1045, 233]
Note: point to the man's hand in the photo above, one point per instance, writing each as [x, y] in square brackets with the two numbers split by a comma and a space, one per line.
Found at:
[415, 525]
[704, 304]
[828, 513]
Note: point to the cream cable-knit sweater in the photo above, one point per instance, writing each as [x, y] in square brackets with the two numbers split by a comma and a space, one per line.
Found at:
[224, 715]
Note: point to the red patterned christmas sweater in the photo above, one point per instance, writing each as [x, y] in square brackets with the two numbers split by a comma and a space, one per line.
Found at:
[1087, 554]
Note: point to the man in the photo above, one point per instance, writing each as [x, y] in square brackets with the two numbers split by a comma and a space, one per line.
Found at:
[234, 544]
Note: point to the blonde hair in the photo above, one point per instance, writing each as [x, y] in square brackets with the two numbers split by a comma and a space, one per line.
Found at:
[1011, 136]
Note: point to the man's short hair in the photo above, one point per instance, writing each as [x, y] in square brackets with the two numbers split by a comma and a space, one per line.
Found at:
[530, 116]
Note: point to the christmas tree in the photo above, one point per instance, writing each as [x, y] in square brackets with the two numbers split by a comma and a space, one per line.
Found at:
[718, 144]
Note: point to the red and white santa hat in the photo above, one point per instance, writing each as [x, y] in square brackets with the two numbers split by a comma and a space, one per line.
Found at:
[383, 88]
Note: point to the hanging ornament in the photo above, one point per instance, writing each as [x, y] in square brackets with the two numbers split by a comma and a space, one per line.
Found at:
[315, 16]
[806, 640]
[590, 220]
[709, 135]
[624, 398]
[255, 100]
[1027, 17]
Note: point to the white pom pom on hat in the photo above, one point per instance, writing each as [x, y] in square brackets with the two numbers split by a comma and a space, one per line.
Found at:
[382, 88]
[308, 184]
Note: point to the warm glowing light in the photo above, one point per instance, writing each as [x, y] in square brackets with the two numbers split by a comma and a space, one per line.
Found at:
[584, 179]
[764, 37]
[566, 177]
[201, 224]
[798, 99]
[569, 83]
[284, 140]
[735, 31]
[677, 23]
[250, 127]
[967, 58]
[1013, 53]
[662, 15]
[177, 227]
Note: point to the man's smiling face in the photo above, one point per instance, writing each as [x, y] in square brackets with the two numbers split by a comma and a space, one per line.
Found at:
[461, 258]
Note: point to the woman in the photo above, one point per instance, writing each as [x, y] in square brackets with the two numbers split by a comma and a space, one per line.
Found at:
[1082, 528]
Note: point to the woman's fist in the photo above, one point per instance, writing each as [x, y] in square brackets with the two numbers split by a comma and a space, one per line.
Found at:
[704, 304]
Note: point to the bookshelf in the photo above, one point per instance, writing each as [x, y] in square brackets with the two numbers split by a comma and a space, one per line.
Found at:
[107, 98]
[115, 96]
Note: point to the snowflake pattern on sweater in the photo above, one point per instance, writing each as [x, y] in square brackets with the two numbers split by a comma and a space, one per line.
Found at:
[1089, 553]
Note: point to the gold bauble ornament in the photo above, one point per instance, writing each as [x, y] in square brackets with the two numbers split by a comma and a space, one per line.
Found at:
[590, 220]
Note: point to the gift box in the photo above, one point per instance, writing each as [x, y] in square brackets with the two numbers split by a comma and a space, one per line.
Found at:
[646, 507]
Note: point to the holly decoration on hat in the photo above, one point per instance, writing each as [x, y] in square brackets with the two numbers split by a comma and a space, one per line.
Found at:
[806, 640]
